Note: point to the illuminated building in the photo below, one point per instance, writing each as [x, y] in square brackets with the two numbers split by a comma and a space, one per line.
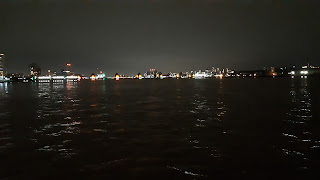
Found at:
[3, 70]
[101, 75]
[272, 71]
[152, 73]
[35, 70]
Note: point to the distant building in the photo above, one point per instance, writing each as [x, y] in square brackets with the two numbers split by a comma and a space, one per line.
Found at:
[35, 70]
[3, 69]
[272, 71]
[152, 73]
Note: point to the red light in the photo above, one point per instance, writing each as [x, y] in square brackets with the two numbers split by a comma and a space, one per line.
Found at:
[68, 64]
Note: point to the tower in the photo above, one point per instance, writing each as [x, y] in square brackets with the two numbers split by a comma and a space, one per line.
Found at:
[3, 69]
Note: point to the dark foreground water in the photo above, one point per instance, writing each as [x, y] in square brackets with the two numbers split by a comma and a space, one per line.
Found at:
[161, 129]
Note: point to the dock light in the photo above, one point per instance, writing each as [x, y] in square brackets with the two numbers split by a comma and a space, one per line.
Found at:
[117, 77]
[93, 78]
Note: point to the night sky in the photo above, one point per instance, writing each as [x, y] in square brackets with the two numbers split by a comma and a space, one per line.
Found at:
[131, 36]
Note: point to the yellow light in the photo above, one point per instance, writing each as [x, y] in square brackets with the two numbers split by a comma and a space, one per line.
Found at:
[178, 75]
[117, 77]
[93, 78]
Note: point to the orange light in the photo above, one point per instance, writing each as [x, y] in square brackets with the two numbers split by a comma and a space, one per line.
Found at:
[117, 77]
[178, 75]
[93, 78]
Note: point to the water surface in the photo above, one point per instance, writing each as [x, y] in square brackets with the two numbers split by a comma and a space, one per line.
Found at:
[264, 128]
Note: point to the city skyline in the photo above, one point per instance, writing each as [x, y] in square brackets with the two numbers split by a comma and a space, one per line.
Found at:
[132, 36]
[68, 67]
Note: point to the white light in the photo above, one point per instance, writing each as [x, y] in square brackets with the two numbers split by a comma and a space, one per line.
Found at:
[304, 72]
[57, 77]
[72, 77]
[44, 77]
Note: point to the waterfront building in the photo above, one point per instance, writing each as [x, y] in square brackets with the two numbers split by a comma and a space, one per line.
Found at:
[152, 73]
[272, 71]
[35, 70]
[101, 75]
[200, 74]
[3, 69]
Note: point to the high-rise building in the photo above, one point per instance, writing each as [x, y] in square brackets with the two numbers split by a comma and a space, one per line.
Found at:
[3, 69]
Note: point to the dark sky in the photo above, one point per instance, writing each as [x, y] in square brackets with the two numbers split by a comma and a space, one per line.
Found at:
[130, 36]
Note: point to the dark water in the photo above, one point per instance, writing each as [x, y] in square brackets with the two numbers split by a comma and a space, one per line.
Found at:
[161, 129]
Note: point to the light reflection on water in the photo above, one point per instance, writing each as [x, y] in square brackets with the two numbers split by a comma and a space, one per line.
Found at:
[181, 129]
[302, 144]
[56, 114]
[6, 137]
